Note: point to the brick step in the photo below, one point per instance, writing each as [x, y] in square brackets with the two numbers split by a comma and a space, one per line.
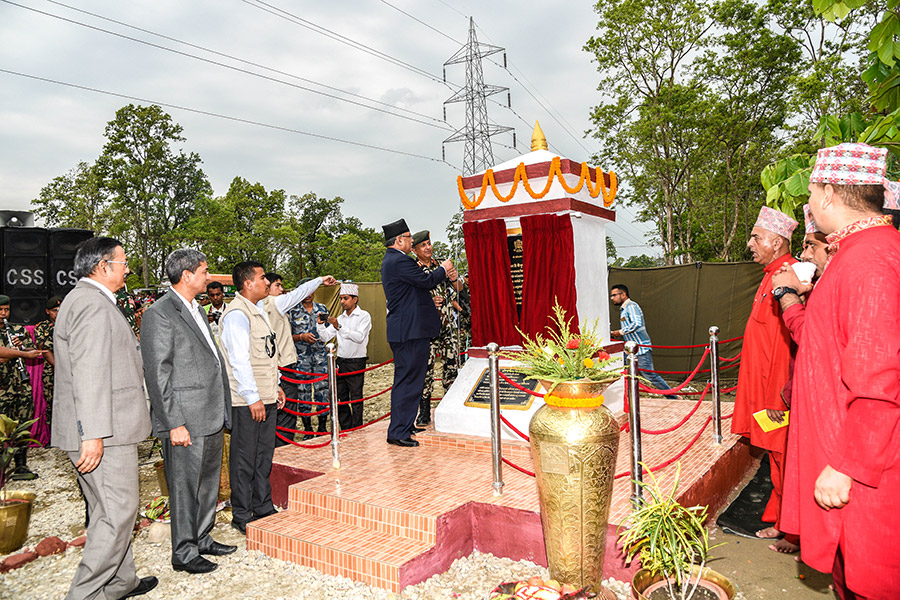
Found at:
[316, 505]
[337, 548]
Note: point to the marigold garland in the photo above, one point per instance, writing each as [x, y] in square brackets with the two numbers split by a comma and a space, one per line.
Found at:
[609, 194]
[592, 402]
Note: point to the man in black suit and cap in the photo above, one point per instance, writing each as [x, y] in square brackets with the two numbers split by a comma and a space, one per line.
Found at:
[412, 320]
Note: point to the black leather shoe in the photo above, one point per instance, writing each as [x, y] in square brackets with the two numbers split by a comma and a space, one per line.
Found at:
[264, 515]
[416, 430]
[242, 527]
[217, 549]
[198, 564]
[146, 584]
[407, 443]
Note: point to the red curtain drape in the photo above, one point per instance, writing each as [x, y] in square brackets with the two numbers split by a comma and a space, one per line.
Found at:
[549, 271]
[494, 314]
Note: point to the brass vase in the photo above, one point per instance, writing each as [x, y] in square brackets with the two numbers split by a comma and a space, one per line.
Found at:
[574, 441]
[15, 513]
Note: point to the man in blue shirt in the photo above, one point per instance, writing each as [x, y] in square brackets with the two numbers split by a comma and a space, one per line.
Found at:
[634, 330]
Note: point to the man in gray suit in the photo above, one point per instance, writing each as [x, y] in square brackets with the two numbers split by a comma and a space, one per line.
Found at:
[100, 415]
[190, 405]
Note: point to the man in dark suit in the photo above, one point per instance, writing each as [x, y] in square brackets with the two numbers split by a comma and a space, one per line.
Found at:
[412, 320]
[100, 415]
[190, 404]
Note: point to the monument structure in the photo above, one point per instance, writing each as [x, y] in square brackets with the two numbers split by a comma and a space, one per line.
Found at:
[535, 233]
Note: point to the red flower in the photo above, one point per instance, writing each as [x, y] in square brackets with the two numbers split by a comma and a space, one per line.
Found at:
[602, 355]
[573, 344]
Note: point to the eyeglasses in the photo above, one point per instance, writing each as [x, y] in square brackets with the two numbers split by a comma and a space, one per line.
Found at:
[117, 262]
[407, 235]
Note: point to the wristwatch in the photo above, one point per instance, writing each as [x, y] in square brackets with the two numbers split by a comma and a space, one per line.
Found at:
[780, 291]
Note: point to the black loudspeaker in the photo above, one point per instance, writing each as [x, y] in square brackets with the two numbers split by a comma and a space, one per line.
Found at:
[24, 241]
[61, 276]
[64, 241]
[25, 276]
[28, 310]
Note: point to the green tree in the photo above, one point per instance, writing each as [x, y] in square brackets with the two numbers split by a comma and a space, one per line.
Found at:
[247, 223]
[698, 92]
[75, 199]
[153, 188]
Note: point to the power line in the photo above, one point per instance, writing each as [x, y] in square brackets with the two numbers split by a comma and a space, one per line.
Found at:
[437, 124]
[226, 117]
[418, 20]
[292, 18]
[241, 60]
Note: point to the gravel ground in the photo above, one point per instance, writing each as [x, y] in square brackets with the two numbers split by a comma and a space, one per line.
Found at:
[59, 511]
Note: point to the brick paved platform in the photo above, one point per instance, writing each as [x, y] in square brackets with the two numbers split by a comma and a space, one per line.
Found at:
[393, 517]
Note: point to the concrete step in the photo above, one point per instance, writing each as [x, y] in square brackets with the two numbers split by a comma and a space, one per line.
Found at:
[338, 548]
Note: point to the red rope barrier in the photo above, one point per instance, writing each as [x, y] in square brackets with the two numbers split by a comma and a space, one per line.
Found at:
[367, 369]
[517, 467]
[676, 390]
[733, 358]
[683, 421]
[677, 456]
[519, 387]
[728, 390]
[672, 347]
[513, 427]
[296, 372]
[731, 340]
[299, 445]
[299, 382]
[381, 418]
[305, 414]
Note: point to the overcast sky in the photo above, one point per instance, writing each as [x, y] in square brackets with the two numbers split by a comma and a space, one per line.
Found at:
[47, 128]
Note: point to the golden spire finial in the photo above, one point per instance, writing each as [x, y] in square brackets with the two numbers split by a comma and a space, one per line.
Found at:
[538, 140]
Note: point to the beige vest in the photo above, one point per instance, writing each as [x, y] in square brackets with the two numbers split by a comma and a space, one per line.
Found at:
[287, 352]
[265, 368]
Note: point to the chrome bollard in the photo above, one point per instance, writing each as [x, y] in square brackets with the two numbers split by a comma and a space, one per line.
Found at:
[332, 391]
[634, 423]
[714, 380]
[496, 444]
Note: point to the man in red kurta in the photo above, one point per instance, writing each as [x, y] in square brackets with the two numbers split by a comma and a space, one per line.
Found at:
[844, 443]
[766, 356]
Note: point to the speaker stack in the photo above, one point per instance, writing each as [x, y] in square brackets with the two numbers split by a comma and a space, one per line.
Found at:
[36, 264]
[63, 244]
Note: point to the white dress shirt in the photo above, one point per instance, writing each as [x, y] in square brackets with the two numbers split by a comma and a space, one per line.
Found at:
[194, 308]
[235, 335]
[353, 335]
[102, 288]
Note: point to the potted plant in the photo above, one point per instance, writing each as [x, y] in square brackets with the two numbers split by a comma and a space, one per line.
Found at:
[15, 506]
[673, 546]
[574, 441]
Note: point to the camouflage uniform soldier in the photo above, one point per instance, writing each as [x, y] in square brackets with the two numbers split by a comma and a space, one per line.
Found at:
[445, 347]
[311, 358]
[16, 400]
[126, 304]
[43, 340]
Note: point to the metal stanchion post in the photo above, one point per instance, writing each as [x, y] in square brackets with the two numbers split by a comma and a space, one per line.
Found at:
[332, 391]
[714, 380]
[496, 448]
[634, 422]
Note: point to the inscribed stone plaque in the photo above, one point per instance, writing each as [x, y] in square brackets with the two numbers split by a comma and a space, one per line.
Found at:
[510, 397]
[516, 262]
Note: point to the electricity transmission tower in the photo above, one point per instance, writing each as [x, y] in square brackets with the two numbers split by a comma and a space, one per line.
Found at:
[477, 132]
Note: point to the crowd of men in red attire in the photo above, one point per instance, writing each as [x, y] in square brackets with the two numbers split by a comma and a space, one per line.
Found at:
[819, 386]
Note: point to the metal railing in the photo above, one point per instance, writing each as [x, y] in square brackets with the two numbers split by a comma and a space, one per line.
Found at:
[632, 383]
